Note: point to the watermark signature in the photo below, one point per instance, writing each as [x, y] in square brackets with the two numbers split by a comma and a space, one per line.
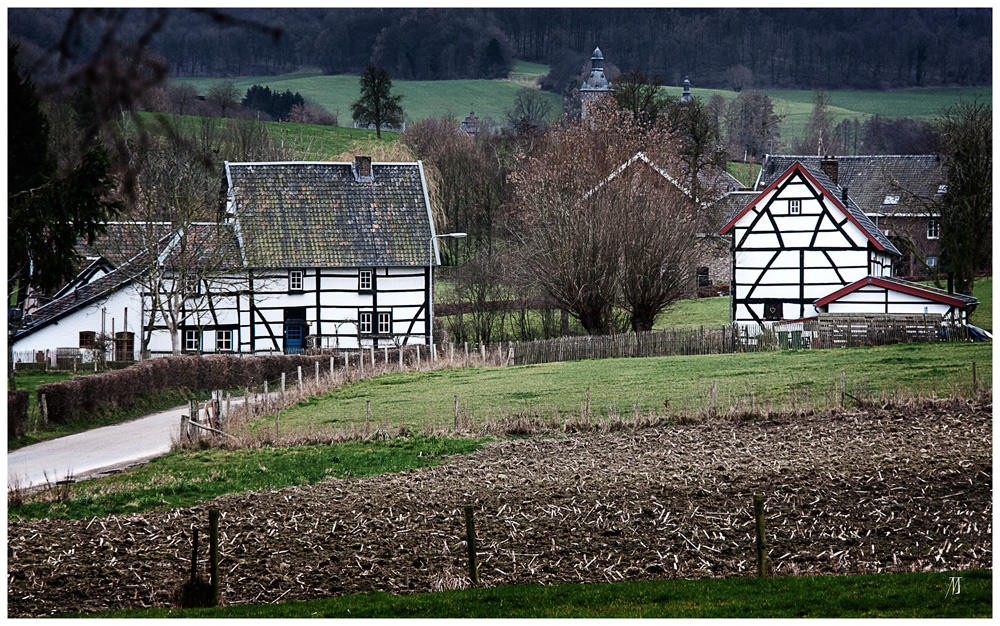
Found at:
[954, 587]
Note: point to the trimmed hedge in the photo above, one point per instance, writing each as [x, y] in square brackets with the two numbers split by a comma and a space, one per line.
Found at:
[83, 395]
[17, 413]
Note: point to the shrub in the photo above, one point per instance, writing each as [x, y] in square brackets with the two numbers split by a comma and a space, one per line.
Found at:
[88, 394]
[17, 413]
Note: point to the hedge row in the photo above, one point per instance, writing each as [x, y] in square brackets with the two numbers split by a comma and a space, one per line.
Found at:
[17, 413]
[83, 395]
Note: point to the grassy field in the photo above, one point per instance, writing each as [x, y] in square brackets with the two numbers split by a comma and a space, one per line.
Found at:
[911, 595]
[426, 399]
[186, 477]
[422, 99]
[309, 141]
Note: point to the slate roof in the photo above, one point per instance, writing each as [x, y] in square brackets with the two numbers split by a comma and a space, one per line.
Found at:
[870, 178]
[123, 240]
[853, 208]
[81, 297]
[732, 203]
[317, 214]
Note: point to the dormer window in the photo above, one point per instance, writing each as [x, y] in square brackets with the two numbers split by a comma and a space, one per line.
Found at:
[942, 189]
[890, 200]
[794, 207]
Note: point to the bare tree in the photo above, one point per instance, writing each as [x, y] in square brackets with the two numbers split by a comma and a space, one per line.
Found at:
[595, 235]
[966, 208]
[224, 96]
[530, 108]
[182, 97]
[640, 94]
[751, 124]
[740, 77]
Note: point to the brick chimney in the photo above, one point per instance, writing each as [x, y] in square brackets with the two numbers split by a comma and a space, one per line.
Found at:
[362, 169]
[829, 167]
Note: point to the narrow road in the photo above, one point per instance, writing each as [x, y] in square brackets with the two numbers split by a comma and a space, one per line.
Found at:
[93, 451]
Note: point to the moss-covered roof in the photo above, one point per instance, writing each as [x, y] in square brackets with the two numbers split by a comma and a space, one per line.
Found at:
[303, 214]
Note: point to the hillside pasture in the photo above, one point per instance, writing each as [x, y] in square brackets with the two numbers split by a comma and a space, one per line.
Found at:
[421, 99]
[558, 392]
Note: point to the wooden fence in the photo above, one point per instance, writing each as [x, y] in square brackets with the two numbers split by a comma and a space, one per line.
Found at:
[829, 331]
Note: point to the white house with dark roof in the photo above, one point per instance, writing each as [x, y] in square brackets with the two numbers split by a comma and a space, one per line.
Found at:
[327, 255]
[802, 247]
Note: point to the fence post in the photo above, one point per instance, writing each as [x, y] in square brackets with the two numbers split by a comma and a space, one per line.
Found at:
[417, 347]
[282, 389]
[228, 405]
[347, 366]
[267, 398]
[213, 534]
[451, 354]
[300, 378]
[185, 431]
[843, 388]
[758, 513]
[331, 367]
[317, 372]
[45, 406]
[470, 539]
[401, 358]
[371, 353]
[466, 354]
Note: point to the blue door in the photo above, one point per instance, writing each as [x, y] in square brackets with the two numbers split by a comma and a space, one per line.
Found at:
[293, 338]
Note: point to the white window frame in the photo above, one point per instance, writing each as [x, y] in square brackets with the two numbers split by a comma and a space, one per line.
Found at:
[384, 323]
[795, 207]
[933, 229]
[365, 322]
[192, 340]
[932, 261]
[224, 340]
[300, 275]
[365, 280]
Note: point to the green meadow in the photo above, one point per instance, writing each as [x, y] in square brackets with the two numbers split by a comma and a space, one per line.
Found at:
[492, 98]
[911, 595]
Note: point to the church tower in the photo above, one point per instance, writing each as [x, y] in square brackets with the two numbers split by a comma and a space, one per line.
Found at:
[596, 85]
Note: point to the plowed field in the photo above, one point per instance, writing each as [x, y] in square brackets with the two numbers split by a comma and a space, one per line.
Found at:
[862, 492]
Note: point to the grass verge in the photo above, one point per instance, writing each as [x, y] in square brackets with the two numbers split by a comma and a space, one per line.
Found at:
[924, 594]
[803, 379]
[185, 477]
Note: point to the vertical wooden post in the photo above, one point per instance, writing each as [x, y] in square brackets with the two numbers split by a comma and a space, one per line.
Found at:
[300, 378]
[184, 427]
[401, 358]
[267, 398]
[368, 413]
[715, 406]
[282, 389]
[482, 351]
[371, 353]
[456, 411]
[213, 540]
[228, 404]
[758, 513]
[466, 354]
[418, 355]
[194, 556]
[470, 540]
[843, 388]
[385, 351]
[451, 353]
[277, 412]
[347, 365]
[316, 364]
[331, 367]
[45, 410]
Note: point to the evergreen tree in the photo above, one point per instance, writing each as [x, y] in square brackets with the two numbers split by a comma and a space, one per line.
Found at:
[377, 105]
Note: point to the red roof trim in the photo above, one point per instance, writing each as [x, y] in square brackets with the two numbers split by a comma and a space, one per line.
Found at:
[894, 286]
[797, 166]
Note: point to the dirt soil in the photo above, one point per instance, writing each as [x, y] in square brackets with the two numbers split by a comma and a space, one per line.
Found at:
[862, 492]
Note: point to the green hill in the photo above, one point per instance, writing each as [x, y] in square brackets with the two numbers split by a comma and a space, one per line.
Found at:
[492, 98]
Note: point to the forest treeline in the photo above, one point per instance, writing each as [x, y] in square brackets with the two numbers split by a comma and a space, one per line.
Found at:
[763, 48]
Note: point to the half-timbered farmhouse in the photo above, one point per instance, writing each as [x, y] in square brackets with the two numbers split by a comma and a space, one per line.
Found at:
[324, 255]
[803, 246]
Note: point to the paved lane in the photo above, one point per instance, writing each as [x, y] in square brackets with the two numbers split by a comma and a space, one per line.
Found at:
[89, 452]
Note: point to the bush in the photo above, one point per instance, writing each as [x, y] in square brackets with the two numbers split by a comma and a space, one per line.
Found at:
[89, 394]
[17, 413]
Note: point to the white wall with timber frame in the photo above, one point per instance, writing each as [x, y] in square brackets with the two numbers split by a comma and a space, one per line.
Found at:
[329, 308]
[792, 246]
